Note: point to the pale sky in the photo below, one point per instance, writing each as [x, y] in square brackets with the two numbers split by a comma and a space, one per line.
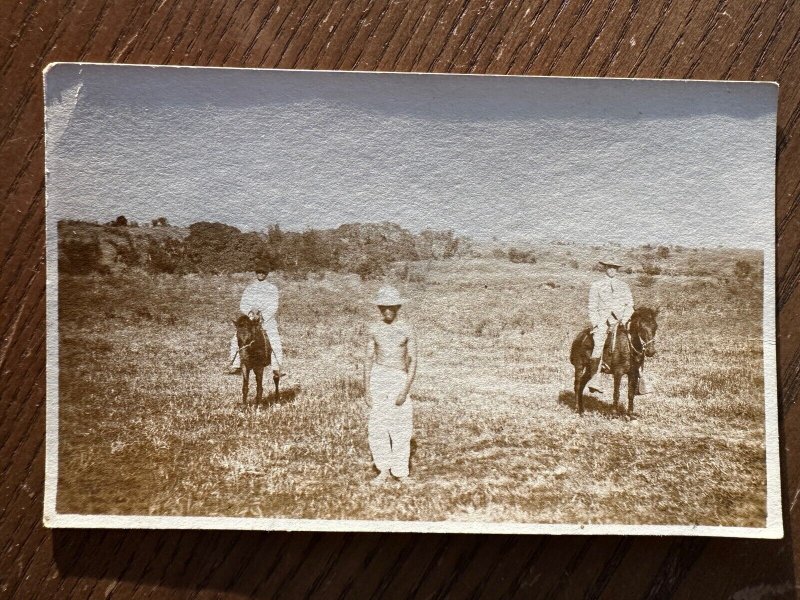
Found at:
[519, 158]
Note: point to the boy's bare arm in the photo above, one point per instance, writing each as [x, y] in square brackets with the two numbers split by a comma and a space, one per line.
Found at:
[411, 349]
[370, 358]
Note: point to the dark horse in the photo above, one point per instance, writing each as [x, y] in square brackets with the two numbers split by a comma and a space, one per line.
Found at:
[627, 355]
[255, 354]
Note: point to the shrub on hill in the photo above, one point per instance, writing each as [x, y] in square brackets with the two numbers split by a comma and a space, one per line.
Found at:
[80, 257]
[651, 269]
[645, 280]
[521, 256]
[367, 249]
[220, 248]
[126, 251]
[742, 269]
[165, 257]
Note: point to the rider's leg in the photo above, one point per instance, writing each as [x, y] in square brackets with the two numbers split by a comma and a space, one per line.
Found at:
[271, 330]
[599, 334]
[234, 365]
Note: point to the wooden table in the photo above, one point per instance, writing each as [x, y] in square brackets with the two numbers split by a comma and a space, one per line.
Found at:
[700, 39]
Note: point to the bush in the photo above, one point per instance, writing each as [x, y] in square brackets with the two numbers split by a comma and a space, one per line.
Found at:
[80, 257]
[742, 269]
[165, 258]
[662, 252]
[698, 268]
[645, 280]
[126, 252]
[220, 248]
[417, 276]
[371, 267]
[521, 256]
[651, 269]
[160, 222]
[574, 264]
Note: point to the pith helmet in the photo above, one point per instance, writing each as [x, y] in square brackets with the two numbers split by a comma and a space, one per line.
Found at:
[388, 296]
[610, 262]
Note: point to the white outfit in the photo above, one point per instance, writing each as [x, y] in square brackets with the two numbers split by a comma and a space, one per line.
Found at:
[262, 296]
[390, 426]
[610, 301]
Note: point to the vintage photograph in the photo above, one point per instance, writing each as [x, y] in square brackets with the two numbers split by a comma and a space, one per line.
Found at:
[402, 302]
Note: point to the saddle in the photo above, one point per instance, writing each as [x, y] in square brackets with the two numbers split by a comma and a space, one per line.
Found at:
[615, 336]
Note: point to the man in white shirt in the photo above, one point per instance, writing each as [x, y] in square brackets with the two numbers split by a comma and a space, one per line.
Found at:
[610, 303]
[261, 297]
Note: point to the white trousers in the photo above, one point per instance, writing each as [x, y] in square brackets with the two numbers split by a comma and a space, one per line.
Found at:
[390, 426]
[600, 334]
[271, 329]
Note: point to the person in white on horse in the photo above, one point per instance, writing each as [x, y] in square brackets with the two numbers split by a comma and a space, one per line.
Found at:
[389, 371]
[261, 297]
[610, 303]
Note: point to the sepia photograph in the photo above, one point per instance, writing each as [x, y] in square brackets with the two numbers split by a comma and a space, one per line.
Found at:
[350, 301]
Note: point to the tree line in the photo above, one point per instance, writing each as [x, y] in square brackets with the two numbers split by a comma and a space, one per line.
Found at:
[366, 249]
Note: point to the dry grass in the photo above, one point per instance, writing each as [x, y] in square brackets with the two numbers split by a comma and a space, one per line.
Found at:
[150, 425]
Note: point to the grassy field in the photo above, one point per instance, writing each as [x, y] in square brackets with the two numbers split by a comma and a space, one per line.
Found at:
[149, 424]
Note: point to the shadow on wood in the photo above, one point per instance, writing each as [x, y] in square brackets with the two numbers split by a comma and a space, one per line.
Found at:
[260, 564]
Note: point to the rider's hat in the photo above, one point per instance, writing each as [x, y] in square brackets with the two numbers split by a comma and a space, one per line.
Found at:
[388, 296]
[610, 262]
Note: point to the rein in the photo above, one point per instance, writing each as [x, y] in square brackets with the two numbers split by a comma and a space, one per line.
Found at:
[642, 343]
[240, 348]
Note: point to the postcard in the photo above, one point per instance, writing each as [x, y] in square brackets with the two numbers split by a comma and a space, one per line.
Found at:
[348, 301]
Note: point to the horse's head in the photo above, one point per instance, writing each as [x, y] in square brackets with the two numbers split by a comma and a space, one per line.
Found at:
[644, 326]
[250, 336]
[246, 328]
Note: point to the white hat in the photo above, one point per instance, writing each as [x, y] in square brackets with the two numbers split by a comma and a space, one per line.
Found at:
[610, 262]
[388, 296]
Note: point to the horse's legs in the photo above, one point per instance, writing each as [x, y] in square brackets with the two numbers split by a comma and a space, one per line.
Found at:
[579, 383]
[633, 385]
[245, 383]
[259, 371]
[617, 380]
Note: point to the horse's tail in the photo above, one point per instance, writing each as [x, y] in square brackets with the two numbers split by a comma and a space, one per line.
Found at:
[581, 348]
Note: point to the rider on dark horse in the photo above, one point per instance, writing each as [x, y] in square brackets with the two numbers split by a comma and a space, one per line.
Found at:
[610, 304]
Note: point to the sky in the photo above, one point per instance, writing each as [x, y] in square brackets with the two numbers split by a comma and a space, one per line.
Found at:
[513, 158]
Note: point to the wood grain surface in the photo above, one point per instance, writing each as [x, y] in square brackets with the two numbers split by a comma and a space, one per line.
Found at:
[699, 39]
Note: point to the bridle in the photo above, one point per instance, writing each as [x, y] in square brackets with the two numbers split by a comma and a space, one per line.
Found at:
[240, 348]
[642, 343]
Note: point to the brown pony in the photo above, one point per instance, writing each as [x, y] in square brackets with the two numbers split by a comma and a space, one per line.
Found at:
[255, 354]
[625, 357]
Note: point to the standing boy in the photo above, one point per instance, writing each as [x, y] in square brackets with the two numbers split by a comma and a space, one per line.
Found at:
[388, 374]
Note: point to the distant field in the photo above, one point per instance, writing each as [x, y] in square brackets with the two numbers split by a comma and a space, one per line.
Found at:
[151, 425]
